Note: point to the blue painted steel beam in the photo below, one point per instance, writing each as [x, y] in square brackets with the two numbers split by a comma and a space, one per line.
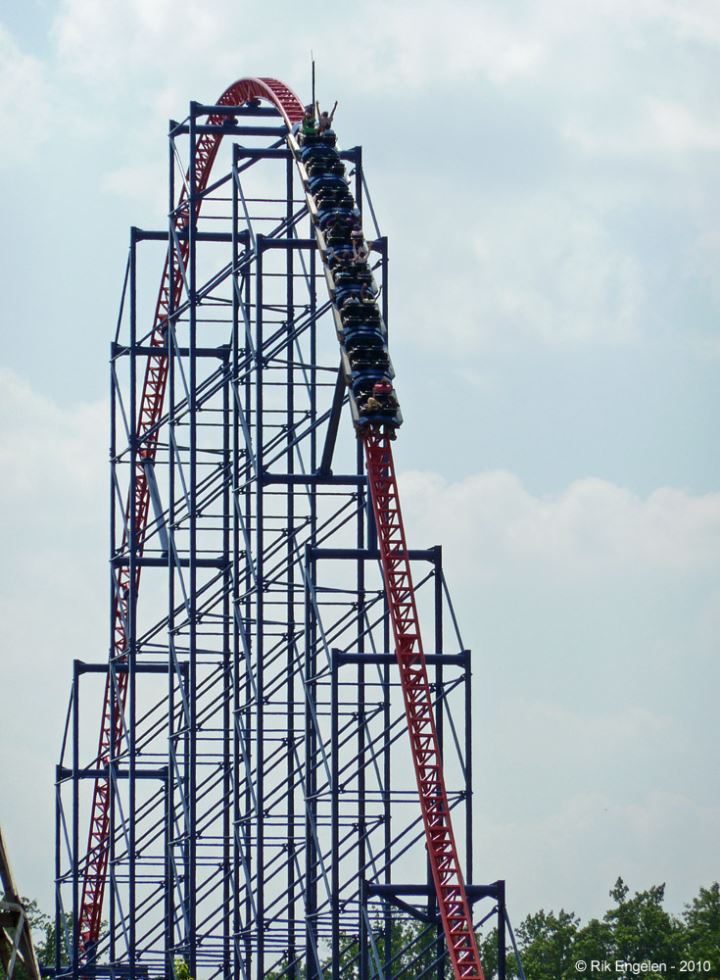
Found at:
[370, 554]
[445, 659]
[314, 480]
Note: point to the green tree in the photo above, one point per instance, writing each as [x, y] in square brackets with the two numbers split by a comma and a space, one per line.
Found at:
[42, 927]
[642, 930]
[594, 941]
[547, 942]
[701, 926]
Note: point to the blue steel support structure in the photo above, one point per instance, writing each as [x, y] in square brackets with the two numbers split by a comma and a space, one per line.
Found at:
[263, 816]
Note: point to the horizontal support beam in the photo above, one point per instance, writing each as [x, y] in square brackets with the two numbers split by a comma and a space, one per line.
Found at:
[144, 350]
[145, 235]
[66, 772]
[263, 153]
[105, 972]
[265, 244]
[140, 668]
[314, 479]
[341, 657]
[371, 554]
[228, 130]
[122, 561]
[270, 153]
[202, 109]
[474, 892]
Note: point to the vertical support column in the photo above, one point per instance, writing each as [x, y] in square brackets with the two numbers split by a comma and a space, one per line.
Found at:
[228, 675]
[361, 735]
[502, 940]
[291, 544]
[335, 816]
[364, 513]
[237, 652]
[259, 617]
[174, 677]
[58, 869]
[311, 856]
[169, 884]
[247, 612]
[311, 755]
[75, 860]
[192, 545]
[468, 772]
[387, 789]
[131, 640]
[112, 605]
[439, 722]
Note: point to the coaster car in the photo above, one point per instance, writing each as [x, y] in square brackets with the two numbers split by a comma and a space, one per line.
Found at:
[327, 182]
[373, 364]
[325, 165]
[371, 342]
[309, 155]
[337, 215]
[354, 288]
[362, 384]
[331, 198]
[344, 277]
[363, 333]
[338, 234]
[328, 138]
[340, 257]
[367, 316]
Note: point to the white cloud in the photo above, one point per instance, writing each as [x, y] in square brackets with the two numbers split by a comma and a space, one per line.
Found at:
[53, 597]
[588, 840]
[593, 527]
[658, 129]
[27, 102]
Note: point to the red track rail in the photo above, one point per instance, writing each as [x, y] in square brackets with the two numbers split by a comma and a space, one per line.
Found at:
[136, 513]
[439, 837]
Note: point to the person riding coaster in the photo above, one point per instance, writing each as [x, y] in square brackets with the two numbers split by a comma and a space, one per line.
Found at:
[348, 216]
[333, 198]
[312, 154]
[328, 138]
[349, 298]
[339, 257]
[343, 277]
[355, 291]
[364, 340]
[325, 182]
[368, 319]
[337, 230]
[368, 363]
[379, 408]
[374, 377]
[338, 234]
[366, 334]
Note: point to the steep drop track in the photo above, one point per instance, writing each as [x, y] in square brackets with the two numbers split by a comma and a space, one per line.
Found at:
[442, 851]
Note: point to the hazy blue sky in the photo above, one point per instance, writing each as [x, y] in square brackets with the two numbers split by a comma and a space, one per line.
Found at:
[547, 173]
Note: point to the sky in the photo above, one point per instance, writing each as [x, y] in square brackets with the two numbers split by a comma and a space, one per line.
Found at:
[547, 174]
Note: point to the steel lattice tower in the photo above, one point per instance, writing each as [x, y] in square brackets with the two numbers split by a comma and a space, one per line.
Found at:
[255, 779]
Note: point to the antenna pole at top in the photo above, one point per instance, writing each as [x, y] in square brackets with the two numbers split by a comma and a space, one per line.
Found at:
[312, 56]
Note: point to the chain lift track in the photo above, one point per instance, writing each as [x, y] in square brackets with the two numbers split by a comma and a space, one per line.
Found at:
[442, 851]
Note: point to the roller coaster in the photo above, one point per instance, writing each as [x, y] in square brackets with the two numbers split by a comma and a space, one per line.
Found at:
[280, 765]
